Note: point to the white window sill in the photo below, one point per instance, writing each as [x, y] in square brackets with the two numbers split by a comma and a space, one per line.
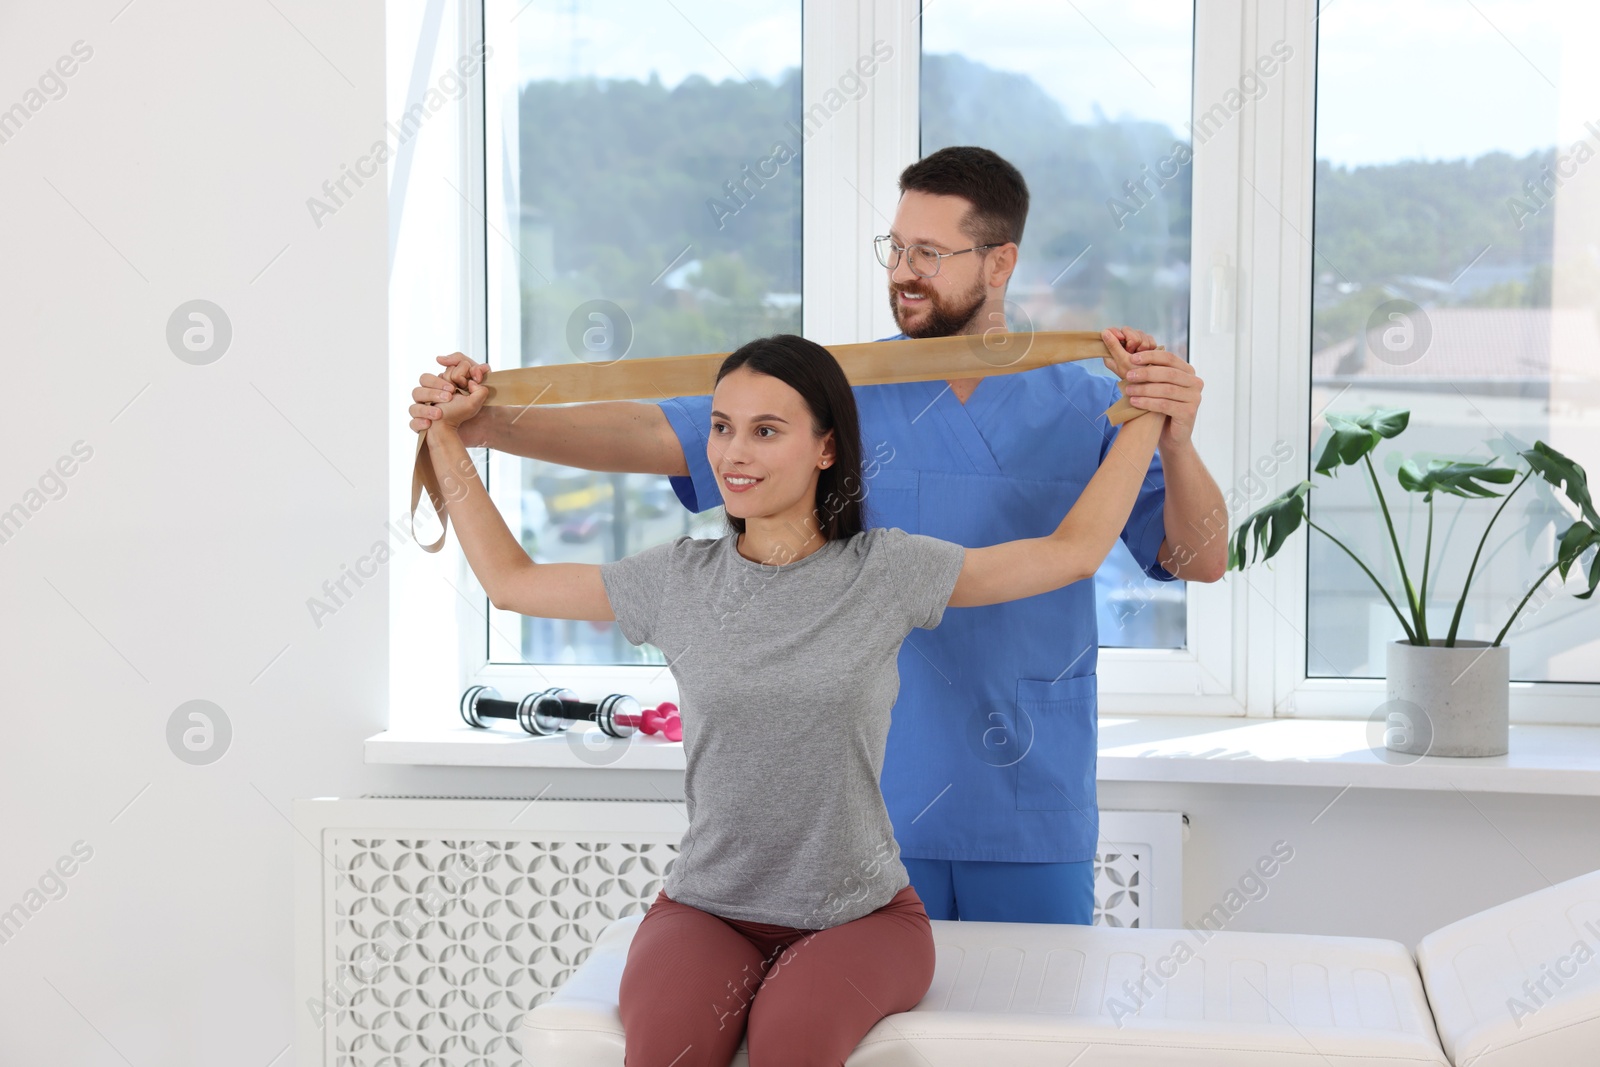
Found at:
[1556, 760]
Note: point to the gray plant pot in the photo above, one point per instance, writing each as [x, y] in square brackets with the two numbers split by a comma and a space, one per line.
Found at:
[1457, 700]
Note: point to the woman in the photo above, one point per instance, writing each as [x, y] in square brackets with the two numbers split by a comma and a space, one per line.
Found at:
[788, 912]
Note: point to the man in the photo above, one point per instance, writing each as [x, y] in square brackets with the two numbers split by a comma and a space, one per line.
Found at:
[989, 773]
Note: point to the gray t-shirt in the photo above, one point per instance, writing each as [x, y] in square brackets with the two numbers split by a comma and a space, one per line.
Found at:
[786, 675]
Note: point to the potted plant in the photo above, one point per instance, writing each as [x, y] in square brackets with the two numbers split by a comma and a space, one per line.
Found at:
[1460, 689]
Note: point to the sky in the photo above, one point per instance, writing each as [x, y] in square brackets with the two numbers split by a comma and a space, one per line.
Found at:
[1423, 79]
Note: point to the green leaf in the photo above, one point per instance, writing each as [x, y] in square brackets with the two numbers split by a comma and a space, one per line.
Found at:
[1579, 538]
[1455, 478]
[1565, 474]
[1387, 422]
[1269, 527]
[1572, 544]
[1351, 438]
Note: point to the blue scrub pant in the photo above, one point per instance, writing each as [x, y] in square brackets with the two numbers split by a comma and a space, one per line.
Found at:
[992, 891]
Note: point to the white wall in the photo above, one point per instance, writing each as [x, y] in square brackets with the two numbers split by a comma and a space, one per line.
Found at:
[177, 562]
[1372, 862]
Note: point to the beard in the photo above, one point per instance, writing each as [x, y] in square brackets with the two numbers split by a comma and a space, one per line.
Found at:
[945, 316]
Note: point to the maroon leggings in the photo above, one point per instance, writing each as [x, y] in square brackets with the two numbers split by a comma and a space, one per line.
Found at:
[694, 981]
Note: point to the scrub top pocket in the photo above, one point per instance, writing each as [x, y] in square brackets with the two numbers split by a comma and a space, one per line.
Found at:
[1058, 772]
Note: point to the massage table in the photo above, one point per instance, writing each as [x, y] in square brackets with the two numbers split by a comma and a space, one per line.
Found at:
[1517, 985]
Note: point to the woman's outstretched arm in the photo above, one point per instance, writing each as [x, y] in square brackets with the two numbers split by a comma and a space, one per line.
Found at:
[1032, 565]
[604, 435]
[513, 581]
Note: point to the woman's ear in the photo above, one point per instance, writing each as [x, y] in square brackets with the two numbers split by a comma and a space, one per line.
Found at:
[827, 457]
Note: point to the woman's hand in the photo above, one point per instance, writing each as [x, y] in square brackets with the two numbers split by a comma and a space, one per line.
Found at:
[463, 405]
[434, 389]
[1121, 342]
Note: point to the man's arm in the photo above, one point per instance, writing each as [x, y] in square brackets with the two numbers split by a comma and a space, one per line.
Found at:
[614, 435]
[1194, 516]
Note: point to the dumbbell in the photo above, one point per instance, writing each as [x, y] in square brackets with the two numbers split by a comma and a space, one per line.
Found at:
[617, 715]
[662, 719]
[532, 712]
[555, 709]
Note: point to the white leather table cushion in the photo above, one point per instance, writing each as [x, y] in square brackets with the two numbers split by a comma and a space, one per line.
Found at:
[1027, 995]
[1519, 984]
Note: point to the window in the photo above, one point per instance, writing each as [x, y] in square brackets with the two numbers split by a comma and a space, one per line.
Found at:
[632, 202]
[1091, 102]
[652, 216]
[1252, 182]
[1455, 275]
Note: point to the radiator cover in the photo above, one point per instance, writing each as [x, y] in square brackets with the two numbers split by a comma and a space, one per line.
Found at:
[427, 927]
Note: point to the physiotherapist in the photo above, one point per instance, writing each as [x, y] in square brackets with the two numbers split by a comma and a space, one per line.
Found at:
[989, 771]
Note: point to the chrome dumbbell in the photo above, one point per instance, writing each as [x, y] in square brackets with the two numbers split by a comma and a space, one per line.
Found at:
[617, 715]
[555, 709]
[532, 712]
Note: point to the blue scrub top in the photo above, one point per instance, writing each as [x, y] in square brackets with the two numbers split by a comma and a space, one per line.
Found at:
[992, 742]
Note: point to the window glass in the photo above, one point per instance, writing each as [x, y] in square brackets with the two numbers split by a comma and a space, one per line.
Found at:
[1091, 101]
[654, 217]
[1457, 217]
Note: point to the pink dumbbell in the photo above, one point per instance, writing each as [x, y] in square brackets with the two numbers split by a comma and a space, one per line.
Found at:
[665, 715]
[662, 719]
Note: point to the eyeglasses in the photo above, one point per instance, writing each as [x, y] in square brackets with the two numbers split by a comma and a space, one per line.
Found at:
[924, 260]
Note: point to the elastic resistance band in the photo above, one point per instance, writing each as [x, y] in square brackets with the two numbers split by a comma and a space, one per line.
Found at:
[918, 359]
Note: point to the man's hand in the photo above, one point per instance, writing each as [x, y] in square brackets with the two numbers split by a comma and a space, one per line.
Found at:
[435, 389]
[1155, 380]
[1160, 381]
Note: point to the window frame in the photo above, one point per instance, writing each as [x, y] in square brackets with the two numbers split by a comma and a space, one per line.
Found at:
[1252, 216]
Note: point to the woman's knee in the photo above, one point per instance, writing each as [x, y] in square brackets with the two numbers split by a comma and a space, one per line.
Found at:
[669, 1024]
[685, 989]
[813, 1045]
[824, 993]
[662, 1039]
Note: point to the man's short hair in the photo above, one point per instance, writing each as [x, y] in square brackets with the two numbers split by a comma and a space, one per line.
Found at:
[994, 188]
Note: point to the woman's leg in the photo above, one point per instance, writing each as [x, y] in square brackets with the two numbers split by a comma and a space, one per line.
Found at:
[829, 987]
[686, 988]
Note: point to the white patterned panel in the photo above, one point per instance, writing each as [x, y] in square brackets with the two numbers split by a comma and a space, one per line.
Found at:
[445, 944]
[1119, 887]
[429, 935]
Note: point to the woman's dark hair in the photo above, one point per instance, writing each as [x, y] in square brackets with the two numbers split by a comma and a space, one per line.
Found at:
[810, 370]
[994, 188]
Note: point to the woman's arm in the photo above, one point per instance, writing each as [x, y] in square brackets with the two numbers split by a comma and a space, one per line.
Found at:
[513, 581]
[607, 435]
[1032, 565]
